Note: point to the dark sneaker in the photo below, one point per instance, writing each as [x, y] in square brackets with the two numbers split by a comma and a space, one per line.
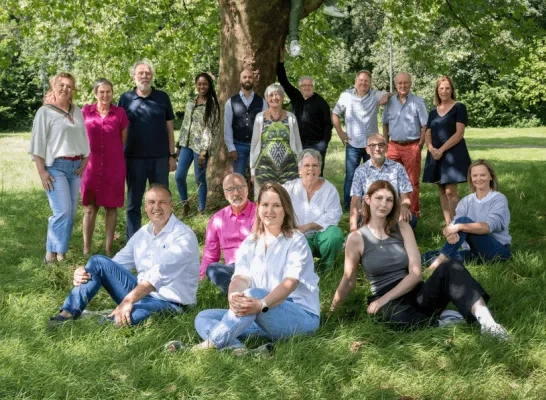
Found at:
[58, 320]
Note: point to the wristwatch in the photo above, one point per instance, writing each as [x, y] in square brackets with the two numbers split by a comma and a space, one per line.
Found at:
[172, 155]
[265, 307]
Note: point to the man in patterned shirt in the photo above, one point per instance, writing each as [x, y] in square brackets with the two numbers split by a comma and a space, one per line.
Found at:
[359, 108]
[379, 167]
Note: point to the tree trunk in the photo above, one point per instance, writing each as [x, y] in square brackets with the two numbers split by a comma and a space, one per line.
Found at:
[251, 34]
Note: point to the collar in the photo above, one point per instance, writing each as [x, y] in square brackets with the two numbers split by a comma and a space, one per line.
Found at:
[363, 97]
[94, 108]
[242, 94]
[136, 96]
[387, 163]
[169, 227]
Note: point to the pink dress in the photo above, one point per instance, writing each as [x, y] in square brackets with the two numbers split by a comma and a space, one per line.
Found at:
[104, 178]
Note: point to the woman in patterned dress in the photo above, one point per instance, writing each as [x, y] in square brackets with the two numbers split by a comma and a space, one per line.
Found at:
[275, 142]
[103, 183]
[198, 138]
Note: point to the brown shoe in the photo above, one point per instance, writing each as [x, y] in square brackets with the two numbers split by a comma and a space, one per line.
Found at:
[186, 209]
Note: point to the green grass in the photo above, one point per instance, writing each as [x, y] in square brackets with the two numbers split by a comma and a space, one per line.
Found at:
[87, 360]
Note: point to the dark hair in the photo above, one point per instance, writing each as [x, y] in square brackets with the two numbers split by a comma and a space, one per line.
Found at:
[212, 108]
[493, 184]
[392, 218]
[289, 224]
[102, 81]
[441, 79]
[160, 186]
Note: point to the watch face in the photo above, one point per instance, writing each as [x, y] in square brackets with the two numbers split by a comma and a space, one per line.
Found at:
[265, 309]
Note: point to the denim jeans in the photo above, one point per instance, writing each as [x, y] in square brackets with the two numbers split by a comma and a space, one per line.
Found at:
[353, 156]
[483, 247]
[63, 200]
[220, 274]
[224, 329]
[243, 154]
[186, 157]
[321, 147]
[139, 171]
[118, 282]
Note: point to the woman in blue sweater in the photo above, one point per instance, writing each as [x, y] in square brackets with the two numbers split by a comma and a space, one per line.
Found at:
[481, 219]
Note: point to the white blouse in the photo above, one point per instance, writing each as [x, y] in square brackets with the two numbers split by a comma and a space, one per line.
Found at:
[284, 258]
[324, 208]
[54, 135]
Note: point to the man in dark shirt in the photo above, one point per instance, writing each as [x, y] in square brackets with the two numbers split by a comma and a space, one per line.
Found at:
[311, 110]
[149, 150]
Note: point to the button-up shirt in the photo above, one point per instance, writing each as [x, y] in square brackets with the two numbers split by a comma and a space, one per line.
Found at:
[360, 115]
[169, 261]
[405, 120]
[390, 171]
[324, 208]
[228, 117]
[225, 232]
[285, 258]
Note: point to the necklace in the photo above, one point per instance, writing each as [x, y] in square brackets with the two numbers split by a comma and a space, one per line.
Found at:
[273, 118]
[380, 237]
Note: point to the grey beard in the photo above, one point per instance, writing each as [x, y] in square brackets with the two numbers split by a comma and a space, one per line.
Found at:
[144, 88]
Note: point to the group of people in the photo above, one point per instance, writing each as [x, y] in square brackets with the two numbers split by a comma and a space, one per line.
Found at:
[268, 271]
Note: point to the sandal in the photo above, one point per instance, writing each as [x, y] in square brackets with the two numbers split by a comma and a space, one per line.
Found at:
[174, 346]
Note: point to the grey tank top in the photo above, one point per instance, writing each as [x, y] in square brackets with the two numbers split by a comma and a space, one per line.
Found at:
[384, 261]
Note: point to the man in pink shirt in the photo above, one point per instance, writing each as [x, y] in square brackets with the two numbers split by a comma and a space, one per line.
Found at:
[226, 231]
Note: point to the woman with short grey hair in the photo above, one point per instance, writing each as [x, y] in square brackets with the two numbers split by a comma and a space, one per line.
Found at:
[275, 142]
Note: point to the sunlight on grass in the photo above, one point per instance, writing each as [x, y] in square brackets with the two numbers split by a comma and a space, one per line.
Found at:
[350, 357]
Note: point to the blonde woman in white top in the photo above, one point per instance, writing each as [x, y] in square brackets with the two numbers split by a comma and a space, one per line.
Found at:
[274, 290]
[60, 149]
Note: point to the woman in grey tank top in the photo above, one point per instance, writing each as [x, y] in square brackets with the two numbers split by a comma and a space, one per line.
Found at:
[390, 259]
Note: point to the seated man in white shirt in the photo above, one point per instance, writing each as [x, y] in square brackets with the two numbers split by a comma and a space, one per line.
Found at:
[317, 208]
[165, 255]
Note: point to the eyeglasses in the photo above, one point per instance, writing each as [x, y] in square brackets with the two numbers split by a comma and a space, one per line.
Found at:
[377, 145]
[309, 166]
[233, 188]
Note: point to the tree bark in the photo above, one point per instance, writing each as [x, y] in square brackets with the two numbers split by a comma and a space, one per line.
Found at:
[251, 34]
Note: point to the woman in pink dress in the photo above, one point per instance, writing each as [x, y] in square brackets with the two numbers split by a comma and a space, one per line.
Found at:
[103, 183]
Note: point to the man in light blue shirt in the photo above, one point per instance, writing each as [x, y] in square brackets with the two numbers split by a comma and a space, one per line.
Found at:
[404, 124]
[359, 107]
[240, 113]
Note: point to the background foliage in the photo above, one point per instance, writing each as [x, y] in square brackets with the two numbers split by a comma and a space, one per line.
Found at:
[493, 49]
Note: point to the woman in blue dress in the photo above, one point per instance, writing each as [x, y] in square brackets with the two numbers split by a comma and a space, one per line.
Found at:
[447, 159]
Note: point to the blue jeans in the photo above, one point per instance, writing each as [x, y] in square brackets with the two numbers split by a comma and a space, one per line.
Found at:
[243, 154]
[118, 282]
[353, 157]
[224, 329]
[321, 147]
[186, 157]
[63, 200]
[220, 274]
[483, 247]
[139, 171]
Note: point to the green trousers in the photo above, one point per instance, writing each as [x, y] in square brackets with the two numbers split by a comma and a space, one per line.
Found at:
[295, 16]
[326, 245]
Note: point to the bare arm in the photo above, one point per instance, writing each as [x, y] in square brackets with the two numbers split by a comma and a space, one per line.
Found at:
[422, 138]
[172, 150]
[414, 271]
[428, 139]
[386, 132]
[405, 214]
[353, 252]
[453, 140]
[337, 125]
[356, 205]
[124, 136]
[477, 228]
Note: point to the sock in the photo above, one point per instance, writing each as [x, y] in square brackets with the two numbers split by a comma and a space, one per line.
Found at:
[484, 317]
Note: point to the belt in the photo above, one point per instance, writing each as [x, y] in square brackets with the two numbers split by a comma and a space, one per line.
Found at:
[405, 142]
[75, 158]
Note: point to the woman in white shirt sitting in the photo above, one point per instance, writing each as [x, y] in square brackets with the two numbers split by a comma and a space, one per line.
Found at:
[274, 290]
[318, 209]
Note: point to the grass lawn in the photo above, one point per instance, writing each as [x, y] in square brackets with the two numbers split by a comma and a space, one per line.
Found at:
[350, 357]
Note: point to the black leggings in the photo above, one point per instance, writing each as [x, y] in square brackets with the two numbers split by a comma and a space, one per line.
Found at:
[450, 282]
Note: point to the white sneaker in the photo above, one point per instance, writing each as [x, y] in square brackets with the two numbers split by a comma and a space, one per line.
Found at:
[295, 48]
[449, 317]
[333, 11]
[497, 331]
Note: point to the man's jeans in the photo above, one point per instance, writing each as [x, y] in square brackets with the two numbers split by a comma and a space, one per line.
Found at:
[410, 157]
[63, 200]
[353, 156]
[482, 247]
[243, 154]
[224, 329]
[220, 275]
[140, 170]
[321, 147]
[118, 282]
[186, 157]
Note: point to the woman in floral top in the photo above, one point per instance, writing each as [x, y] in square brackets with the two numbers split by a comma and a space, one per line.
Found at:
[198, 138]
